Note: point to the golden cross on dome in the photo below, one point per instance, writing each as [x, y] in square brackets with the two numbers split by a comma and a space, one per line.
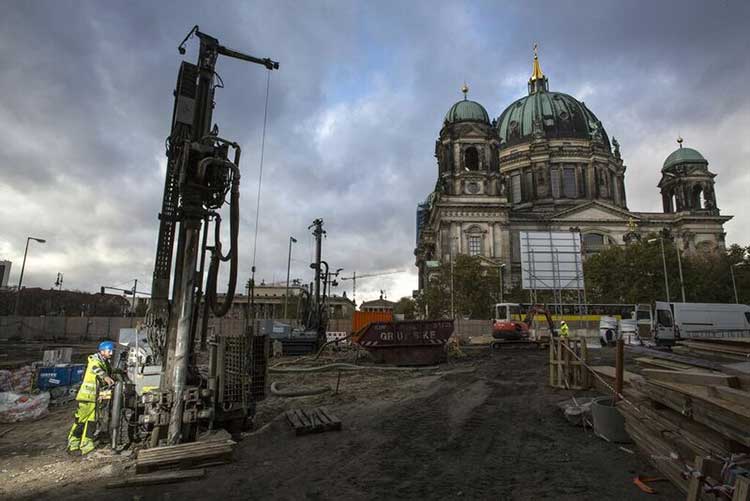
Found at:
[465, 89]
[679, 140]
[536, 73]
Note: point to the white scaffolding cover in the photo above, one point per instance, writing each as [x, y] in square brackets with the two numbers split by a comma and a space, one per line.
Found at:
[551, 260]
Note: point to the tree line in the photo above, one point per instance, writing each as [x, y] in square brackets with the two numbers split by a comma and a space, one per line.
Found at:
[628, 274]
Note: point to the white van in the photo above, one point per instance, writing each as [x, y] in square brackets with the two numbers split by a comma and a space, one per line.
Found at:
[692, 320]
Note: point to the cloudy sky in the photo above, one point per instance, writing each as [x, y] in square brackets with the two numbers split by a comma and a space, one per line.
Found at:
[86, 102]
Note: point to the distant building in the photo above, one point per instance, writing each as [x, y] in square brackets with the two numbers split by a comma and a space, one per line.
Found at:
[35, 301]
[547, 164]
[377, 305]
[4, 273]
[269, 303]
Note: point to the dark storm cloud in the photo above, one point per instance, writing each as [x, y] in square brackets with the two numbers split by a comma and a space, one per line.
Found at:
[354, 112]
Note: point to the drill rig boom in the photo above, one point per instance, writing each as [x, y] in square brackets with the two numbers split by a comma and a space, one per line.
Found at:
[200, 175]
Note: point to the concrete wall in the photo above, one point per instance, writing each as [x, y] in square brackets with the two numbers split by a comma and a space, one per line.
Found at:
[94, 328]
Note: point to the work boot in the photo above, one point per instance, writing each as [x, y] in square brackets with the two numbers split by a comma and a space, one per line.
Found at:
[87, 445]
[74, 444]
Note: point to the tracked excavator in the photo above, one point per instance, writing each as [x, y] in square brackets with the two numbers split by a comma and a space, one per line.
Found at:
[508, 326]
[164, 396]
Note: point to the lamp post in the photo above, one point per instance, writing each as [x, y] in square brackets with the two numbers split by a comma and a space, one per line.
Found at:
[679, 267]
[453, 310]
[500, 269]
[23, 266]
[288, 267]
[664, 262]
[734, 284]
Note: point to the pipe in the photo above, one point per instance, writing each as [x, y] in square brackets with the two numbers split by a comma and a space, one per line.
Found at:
[184, 324]
[298, 393]
[115, 413]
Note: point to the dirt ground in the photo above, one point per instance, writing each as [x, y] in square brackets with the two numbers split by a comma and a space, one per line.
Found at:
[482, 427]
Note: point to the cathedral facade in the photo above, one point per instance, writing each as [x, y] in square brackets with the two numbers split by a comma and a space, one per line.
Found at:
[546, 163]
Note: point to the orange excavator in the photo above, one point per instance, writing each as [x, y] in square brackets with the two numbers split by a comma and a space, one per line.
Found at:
[505, 327]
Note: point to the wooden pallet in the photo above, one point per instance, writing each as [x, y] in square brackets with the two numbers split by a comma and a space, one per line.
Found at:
[188, 455]
[565, 370]
[315, 420]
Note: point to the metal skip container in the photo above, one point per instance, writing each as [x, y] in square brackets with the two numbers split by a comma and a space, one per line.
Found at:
[408, 342]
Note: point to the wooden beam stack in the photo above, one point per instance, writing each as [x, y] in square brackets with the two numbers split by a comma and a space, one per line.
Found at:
[188, 455]
[687, 417]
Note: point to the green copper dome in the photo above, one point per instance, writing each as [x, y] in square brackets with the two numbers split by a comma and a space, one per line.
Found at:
[559, 116]
[466, 110]
[683, 155]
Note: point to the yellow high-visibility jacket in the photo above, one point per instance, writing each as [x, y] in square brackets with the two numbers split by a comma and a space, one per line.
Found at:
[96, 370]
[564, 330]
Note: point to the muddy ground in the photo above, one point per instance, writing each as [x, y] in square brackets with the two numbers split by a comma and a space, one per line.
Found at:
[482, 427]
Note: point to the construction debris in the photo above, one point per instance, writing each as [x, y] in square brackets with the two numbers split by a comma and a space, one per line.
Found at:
[185, 455]
[316, 420]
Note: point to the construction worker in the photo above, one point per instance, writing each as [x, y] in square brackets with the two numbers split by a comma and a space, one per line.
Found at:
[98, 371]
[564, 330]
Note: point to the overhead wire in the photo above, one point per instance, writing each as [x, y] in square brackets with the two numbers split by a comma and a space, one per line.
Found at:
[260, 171]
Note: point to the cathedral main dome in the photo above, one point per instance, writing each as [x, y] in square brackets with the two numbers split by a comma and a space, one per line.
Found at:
[557, 116]
[560, 116]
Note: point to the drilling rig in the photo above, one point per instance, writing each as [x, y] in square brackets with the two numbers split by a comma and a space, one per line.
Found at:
[203, 169]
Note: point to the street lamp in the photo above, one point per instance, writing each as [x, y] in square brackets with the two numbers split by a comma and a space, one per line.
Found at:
[664, 262]
[288, 266]
[450, 248]
[23, 266]
[734, 284]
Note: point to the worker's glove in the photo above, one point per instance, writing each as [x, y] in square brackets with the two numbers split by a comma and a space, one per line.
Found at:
[109, 381]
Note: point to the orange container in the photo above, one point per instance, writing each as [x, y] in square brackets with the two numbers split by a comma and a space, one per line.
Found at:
[361, 319]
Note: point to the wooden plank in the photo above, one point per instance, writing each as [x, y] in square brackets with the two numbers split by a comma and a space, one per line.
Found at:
[729, 419]
[691, 377]
[733, 395]
[695, 486]
[741, 489]
[185, 448]
[717, 347]
[657, 363]
[157, 478]
[608, 372]
[695, 362]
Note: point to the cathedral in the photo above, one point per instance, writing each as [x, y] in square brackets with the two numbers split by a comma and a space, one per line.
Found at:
[547, 163]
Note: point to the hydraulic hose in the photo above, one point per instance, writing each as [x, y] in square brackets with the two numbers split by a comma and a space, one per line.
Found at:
[349, 367]
[216, 256]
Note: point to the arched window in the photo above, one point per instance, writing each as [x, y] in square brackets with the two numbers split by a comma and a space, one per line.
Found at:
[471, 158]
[697, 200]
[593, 243]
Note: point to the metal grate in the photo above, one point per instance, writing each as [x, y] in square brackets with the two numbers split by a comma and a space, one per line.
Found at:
[259, 364]
[236, 369]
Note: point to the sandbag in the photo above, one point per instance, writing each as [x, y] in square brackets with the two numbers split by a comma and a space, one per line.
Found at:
[16, 407]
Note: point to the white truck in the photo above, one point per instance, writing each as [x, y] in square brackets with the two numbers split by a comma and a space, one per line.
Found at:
[673, 321]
